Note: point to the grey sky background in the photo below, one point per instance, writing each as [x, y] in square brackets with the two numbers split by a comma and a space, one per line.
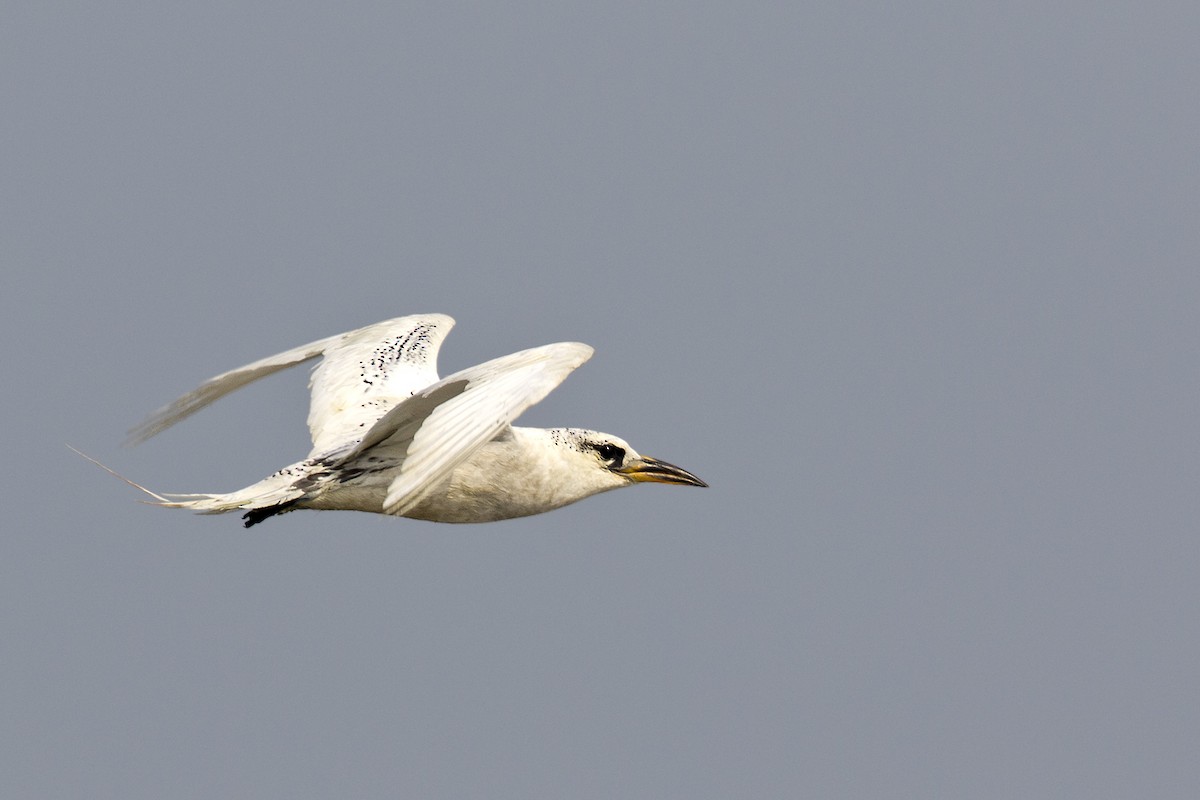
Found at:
[913, 287]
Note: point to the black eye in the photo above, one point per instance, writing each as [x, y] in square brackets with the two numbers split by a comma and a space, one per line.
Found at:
[610, 453]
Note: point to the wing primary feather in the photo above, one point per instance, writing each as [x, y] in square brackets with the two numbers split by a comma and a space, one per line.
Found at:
[215, 388]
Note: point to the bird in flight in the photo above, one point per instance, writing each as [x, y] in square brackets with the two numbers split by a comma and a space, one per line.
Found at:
[391, 437]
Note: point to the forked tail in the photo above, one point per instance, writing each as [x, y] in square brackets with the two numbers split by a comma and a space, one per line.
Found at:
[268, 497]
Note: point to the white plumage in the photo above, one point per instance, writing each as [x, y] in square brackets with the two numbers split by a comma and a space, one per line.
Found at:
[389, 436]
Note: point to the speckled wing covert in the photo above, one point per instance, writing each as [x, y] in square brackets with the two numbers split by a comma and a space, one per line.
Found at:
[440, 426]
[364, 373]
[367, 372]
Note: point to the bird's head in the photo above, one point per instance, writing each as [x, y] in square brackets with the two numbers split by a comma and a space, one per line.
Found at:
[611, 463]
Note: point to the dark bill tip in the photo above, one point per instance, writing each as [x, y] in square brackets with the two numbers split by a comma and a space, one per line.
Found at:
[652, 470]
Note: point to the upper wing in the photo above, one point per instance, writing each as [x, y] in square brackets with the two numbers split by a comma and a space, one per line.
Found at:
[364, 373]
[368, 371]
[440, 426]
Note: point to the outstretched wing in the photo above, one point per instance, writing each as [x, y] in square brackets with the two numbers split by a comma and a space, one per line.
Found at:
[365, 372]
[440, 426]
